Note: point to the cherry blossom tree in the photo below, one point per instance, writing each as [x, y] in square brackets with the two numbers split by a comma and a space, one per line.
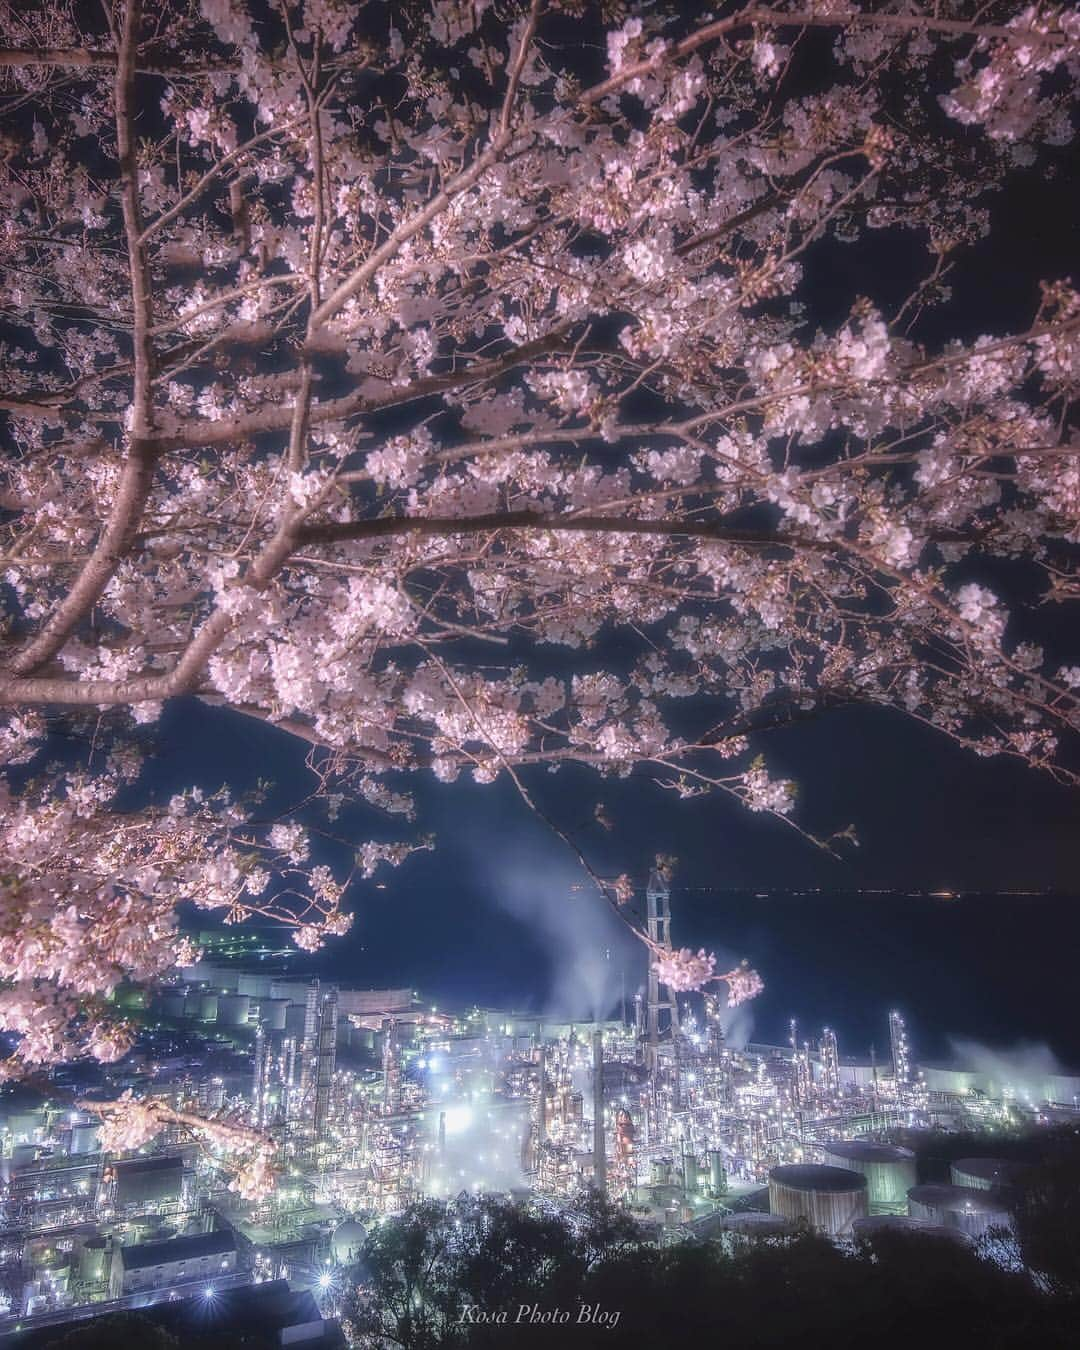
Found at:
[356, 355]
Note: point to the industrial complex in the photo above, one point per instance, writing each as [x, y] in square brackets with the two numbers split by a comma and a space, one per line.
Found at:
[373, 1099]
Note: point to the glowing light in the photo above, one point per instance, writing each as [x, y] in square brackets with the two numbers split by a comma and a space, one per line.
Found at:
[458, 1119]
[325, 1280]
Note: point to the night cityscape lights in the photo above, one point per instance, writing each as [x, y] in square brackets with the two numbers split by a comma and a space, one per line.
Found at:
[374, 1099]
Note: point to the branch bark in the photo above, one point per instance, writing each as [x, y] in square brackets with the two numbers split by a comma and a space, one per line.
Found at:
[136, 477]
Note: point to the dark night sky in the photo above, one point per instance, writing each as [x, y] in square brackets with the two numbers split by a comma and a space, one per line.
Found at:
[491, 916]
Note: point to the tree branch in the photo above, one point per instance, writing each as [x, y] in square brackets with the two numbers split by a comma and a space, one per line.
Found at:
[137, 475]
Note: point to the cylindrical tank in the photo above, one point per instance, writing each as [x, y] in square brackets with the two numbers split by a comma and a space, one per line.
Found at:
[753, 1223]
[172, 1002]
[347, 1242]
[25, 1124]
[273, 1013]
[972, 1211]
[870, 1228]
[690, 1172]
[208, 1007]
[889, 1170]
[828, 1198]
[661, 1171]
[294, 990]
[717, 1172]
[23, 1155]
[92, 1262]
[234, 1010]
[84, 1137]
[984, 1174]
[255, 986]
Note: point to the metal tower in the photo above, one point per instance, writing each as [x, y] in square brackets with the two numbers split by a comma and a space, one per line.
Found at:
[391, 1067]
[599, 1142]
[258, 1079]
[830, 1062]
[901, 1053]
[662, 1017]
[326, 1059]
[309, 1044]
[288, 1076]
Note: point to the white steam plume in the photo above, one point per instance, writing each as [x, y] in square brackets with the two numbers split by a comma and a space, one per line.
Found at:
[588, 945]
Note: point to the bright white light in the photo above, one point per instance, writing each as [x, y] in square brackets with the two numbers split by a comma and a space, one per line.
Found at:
[458, 1119]
[324, 1280]
[208, 1292]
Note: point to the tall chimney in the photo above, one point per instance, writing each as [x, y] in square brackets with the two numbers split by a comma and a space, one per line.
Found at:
[599, 1155]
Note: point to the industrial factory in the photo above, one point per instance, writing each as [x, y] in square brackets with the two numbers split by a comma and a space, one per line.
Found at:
[374, 1098]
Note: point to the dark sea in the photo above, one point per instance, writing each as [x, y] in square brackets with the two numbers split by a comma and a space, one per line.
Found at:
[997, 969]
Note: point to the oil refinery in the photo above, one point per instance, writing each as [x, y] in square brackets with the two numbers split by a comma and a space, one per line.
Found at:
[374, 1099]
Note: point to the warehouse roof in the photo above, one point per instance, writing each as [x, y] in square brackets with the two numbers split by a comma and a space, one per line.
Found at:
[178, 1249]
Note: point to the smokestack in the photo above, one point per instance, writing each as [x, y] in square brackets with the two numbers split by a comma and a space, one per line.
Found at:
[599, 1156]
[541, 1114]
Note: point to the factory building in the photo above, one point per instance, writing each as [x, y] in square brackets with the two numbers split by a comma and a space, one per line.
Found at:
[828, 1199]
[200, 1258]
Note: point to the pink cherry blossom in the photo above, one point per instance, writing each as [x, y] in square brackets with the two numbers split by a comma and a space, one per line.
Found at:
[332, 421]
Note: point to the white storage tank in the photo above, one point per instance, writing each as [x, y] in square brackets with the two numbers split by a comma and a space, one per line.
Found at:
[830, 1199]
[22, 1156]
[93, 1261]
[294, 990]
[172, 1002]
[984, 1174]
[753, 1223]
[868, 1229]
[690, 1172]
[25, 1124]
[273, 1012]
[234, 1010]
[347, 1242]
[888, 1169]
[85, 1136]
[205, 972]
[208, 1007]
[972, 1211]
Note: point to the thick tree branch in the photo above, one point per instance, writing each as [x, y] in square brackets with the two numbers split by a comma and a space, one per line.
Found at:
[136, 478]
[381, 526]
[271, 418]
